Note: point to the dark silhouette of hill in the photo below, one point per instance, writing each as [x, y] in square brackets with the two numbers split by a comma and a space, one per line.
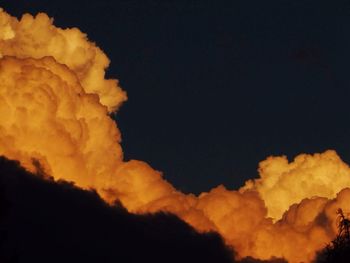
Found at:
[44, 221]
[47, 221]
[253, 260]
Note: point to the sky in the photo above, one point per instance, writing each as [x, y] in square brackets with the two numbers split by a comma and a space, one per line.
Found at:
[215, 87]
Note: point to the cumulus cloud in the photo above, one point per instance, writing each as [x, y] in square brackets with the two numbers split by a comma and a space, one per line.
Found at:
[46, 115]
[37, 37]
[282, 184]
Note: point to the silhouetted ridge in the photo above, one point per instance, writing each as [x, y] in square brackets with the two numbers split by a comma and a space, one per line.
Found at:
[44, 221]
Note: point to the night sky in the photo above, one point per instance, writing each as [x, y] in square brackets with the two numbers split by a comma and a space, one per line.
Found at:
[216, 86]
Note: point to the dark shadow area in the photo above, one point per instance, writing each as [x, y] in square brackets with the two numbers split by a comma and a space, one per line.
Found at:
[44, 221]
[253, 260]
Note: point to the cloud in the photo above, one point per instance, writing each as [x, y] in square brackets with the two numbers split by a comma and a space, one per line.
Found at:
[37, 37]
[54, 118]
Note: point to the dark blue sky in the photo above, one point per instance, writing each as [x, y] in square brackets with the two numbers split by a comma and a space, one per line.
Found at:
[216, 86]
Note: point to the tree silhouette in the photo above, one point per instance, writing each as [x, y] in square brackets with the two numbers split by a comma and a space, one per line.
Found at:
[339, 249]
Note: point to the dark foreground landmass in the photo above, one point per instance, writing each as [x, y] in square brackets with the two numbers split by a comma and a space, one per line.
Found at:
[47, 221]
